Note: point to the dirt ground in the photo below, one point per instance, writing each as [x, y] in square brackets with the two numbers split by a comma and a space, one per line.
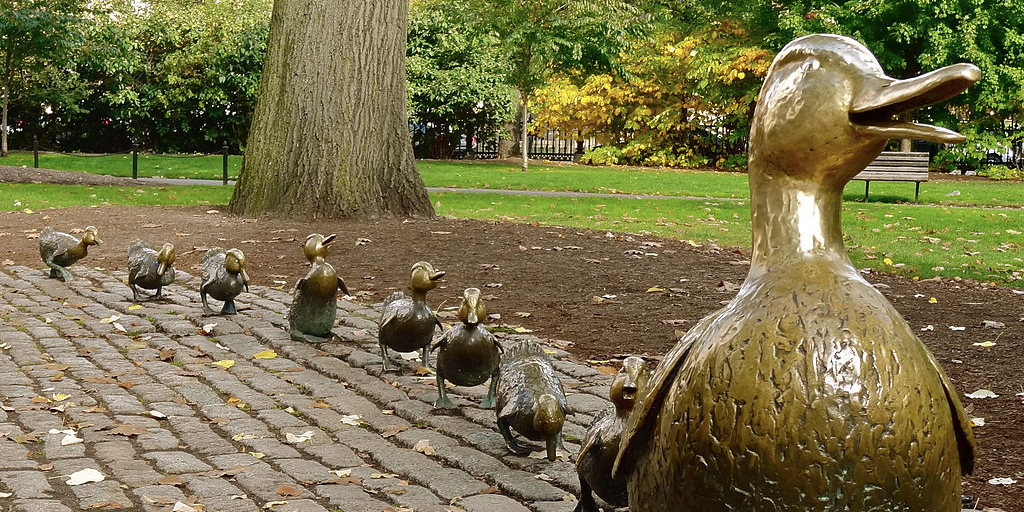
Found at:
[600, 295]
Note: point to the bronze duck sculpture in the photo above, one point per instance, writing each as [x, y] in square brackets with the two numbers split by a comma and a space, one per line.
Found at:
[406, 322]
[224, 278]
[468, 354]
[530, 398]
[149, 269]
[808, 391]
[314, 300]
[601, 444]
[59, 249]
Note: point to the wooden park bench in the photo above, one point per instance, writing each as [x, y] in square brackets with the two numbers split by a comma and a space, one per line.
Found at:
[896, 166]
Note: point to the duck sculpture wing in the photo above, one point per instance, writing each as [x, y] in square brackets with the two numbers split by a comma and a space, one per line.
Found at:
[965, 443]
[649, 401]
[390, 310]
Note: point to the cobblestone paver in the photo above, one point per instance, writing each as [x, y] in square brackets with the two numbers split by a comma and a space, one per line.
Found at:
[178, 410]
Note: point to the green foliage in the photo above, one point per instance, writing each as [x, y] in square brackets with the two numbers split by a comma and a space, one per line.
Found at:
[165, 74]
[603, 155]
[1000, 172]
[456, 78]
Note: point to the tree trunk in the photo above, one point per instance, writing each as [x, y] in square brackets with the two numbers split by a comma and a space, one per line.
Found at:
[330, 135]
[3, 122]
[524, 137]
[506, 145]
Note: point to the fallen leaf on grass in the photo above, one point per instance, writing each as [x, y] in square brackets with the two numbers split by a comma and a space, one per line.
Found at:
[423, 446]
[981, 393]
[84, 476]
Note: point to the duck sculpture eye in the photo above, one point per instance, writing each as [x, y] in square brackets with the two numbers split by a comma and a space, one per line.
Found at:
[810, 65]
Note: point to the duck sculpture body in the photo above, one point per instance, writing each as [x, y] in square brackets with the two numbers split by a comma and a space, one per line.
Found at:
[530, 398]
[314, 301]
[407, 323]
[224, 278]
[808, 391]
[601, 445]
[149, 269]
[60, 250]
[468, 354]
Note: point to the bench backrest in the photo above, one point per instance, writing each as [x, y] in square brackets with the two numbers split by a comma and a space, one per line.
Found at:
[897, 166]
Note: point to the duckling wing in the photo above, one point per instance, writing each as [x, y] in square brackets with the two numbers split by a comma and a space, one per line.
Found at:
[649, 402]
[390, 310]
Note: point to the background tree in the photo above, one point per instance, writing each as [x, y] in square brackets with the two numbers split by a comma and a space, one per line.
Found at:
[456, 78]
[330, 134]
[36, 36]
[540, 36]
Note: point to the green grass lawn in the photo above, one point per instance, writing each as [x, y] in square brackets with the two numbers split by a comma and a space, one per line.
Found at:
[36, 196]
[922, 241]
[210, 167]
[689, 183]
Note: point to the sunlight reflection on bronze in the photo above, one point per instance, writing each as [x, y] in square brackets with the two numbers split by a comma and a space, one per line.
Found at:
[808, 391]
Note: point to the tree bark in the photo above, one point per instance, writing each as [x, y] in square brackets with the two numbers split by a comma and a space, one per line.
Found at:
[330, 135]
[524, 137]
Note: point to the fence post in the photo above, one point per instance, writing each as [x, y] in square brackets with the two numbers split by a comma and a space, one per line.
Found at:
[35, 152]
[135, 161]
[225, 162]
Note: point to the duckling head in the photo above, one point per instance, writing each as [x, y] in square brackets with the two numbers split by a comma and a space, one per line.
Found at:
[316, 246]
[424, 277]
[91, 237]
[165, 258]
[548, 421]
[234, 262]
[826, 109]
[472, 311]
[627, 384]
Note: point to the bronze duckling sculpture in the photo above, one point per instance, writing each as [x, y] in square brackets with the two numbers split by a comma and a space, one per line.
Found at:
[808, 391]
[406, 322]
[468, 354]
[314, 300]
[224, 278]
[60, 250]
[530, 398]
[601, 444]
[149, 269]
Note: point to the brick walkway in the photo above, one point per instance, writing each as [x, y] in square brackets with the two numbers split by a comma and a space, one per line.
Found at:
[312, 429]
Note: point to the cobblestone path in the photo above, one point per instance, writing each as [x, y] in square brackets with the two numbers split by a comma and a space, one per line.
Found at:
[140, 399]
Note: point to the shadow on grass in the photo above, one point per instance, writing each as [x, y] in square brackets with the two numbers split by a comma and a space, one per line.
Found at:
[880, 198]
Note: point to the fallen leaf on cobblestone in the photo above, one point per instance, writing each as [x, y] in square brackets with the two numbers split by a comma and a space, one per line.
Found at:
[107, 504]
[57, 367]
[543, 454]
[7, 494]
[84, 476]
[607, 370]
[392, 430]
[40, 400]
[133, 307]
[266, 354]
[167, 354]
[60, 397]
[422, 370]
[396, 492]
[348, 480]
[343, 472]
[543, 476]
[207, 329]
[300, 438]
[383, 475]
[26, 438]
[258, 455]
[110, 319]
[95, 409]
[352, 419]
[181, 507]
[100, 380]
[231, 471]
[569, 498]
[272, 504]
[44, 467]
[71, 439]
[288, 491]
[171, 480]
[423, 446]
[491, 490]
[224, 363]
[127, 430]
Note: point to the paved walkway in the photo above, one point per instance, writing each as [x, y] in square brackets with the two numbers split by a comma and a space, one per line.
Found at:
[172, 414]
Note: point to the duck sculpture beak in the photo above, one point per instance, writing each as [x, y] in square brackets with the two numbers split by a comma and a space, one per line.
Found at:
[328, 240]
[882, 98]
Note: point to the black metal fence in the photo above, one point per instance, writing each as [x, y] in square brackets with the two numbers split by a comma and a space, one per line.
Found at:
[135, 157]
[553, 145]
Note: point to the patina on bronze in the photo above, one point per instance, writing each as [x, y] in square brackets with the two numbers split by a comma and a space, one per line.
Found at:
[149, 269]
[468, 354]
[59, 249]
[224, 278]
[314, 300]
[530, 398]
[407, 323]
[808, 391]
[601, 445]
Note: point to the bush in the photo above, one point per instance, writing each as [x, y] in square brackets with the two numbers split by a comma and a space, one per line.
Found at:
[999, 172]
[603, 155]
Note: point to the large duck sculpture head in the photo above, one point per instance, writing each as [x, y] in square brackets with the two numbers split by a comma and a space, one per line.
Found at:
[808, 390]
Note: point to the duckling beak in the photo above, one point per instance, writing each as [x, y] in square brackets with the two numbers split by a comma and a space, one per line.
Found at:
[436, 275]
[882, 98]
[160, 269]
[328, 240]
